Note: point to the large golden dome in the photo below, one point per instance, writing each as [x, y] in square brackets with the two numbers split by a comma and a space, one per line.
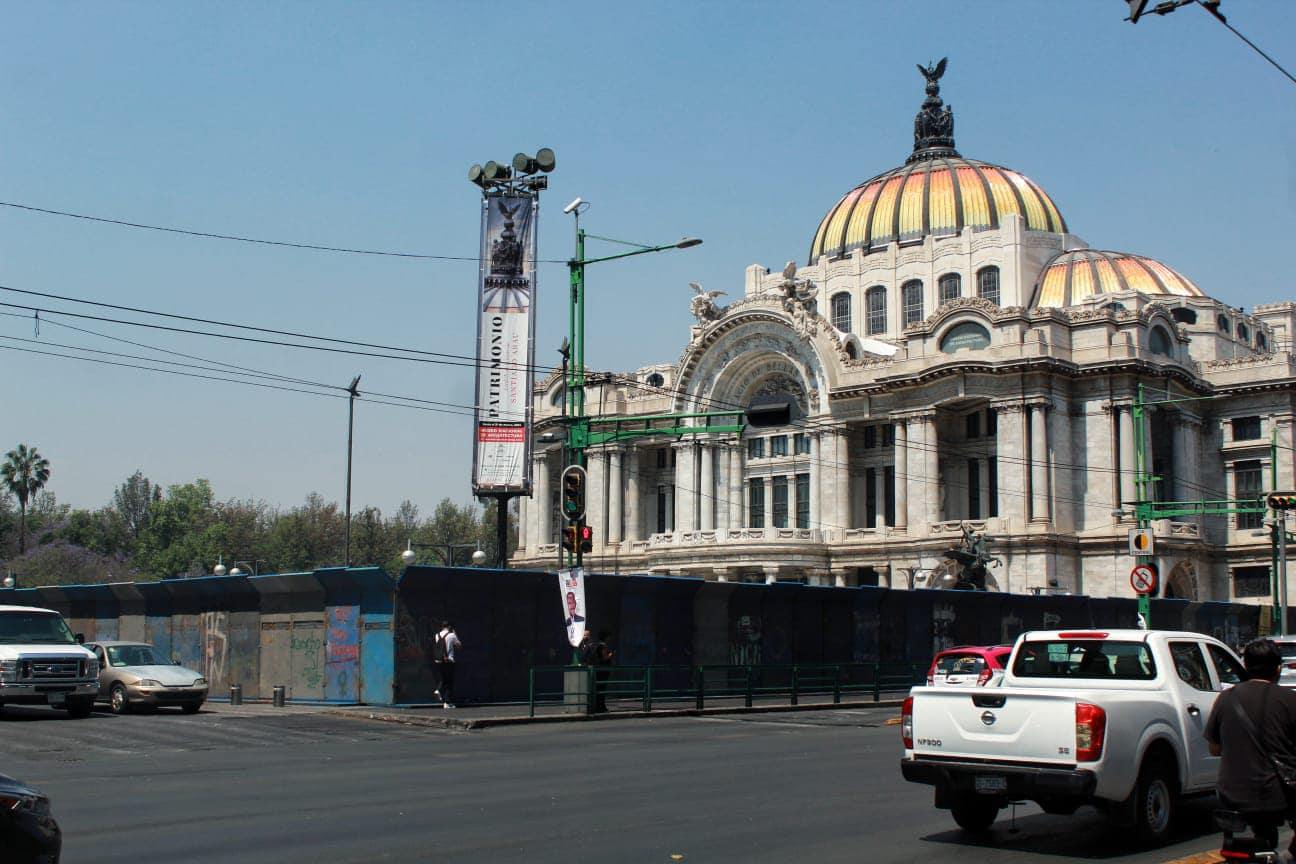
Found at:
[1072, 277]
[935, 192]
[939, 196]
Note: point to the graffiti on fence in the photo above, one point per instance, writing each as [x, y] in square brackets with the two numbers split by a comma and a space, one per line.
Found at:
[306, 649]
[214, 629]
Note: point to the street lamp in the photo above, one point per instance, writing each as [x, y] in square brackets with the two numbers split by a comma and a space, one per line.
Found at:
[238, 571]
[445, 550]
[574, 383]
[10, 580]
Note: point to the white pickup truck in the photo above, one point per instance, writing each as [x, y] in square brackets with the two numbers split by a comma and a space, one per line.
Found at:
[1113, 719]
[41, 662]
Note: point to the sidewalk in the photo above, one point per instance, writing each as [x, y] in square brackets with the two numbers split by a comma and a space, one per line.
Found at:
[472, 717]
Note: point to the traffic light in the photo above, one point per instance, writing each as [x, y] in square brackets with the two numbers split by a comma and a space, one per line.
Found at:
[586, 538]
[573, 493]
[570, 537]
[1281, 500]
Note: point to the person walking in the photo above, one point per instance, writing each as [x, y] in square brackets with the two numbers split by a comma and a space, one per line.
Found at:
[1253, 729]
[445, 653]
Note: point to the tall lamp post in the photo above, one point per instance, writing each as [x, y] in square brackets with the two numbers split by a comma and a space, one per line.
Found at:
[574, 385]
[353, 394]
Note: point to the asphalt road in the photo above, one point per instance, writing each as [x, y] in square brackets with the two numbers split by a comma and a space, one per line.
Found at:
[819, 786]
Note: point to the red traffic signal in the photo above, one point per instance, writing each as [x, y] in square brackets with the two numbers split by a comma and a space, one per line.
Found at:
[586, 538]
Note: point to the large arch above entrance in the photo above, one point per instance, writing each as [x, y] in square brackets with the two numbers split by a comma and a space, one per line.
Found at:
[755, 355]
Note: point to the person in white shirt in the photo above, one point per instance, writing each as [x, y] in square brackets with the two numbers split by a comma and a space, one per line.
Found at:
[444, 654]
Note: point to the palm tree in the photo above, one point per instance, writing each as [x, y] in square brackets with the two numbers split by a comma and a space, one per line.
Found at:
[24, 472]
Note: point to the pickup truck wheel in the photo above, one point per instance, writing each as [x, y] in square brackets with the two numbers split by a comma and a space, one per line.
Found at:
[79, 708]
[118, 700]
[975, 813]
[1155, 804]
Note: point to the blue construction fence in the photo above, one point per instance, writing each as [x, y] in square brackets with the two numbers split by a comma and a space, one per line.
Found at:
[359, 635]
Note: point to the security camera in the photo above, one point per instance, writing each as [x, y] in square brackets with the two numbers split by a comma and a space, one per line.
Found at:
[573, 205]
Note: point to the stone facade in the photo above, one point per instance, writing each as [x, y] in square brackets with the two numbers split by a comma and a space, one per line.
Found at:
[926, 402]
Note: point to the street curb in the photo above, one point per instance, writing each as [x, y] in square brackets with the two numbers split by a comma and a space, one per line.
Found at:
[474, 723]
[1212, 857]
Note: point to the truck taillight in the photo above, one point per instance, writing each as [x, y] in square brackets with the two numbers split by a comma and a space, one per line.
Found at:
[1090, 729]
[984, 678]
[906, 723]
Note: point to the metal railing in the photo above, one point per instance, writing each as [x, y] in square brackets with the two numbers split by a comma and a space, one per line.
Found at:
[589, 690]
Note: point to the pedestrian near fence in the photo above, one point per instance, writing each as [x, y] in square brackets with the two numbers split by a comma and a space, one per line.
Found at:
[445, 653]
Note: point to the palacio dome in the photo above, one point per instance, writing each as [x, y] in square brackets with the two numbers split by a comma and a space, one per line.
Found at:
[936, 192]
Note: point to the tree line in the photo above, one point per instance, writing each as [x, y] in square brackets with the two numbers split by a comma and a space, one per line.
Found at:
[146, 532]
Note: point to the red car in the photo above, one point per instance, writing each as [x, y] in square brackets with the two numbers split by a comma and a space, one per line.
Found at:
[969, 666]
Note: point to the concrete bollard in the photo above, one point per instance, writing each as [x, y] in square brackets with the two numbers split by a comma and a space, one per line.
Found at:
[236, 694]
[279, 695]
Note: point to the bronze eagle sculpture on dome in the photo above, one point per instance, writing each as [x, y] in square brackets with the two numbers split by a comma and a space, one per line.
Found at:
[933, 73]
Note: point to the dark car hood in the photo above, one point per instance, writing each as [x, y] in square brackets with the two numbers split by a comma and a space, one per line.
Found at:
[9, 784]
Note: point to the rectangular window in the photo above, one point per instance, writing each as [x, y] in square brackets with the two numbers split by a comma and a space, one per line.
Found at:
[888, 492]
[992, 422]
[1246, 428]
[972, 425]
[870, 497]
[888, 435]
[780, 502]
[974, 488]
[870, 437]
[1248, 485]
[876, 298]
[755, 448]
[988, 284]
[1251, 582]
[661, 458]
[992, 470]
[801, 443]
[803, 500]
[756, 502]
[778, 445]
[913, 302]
[661, 507]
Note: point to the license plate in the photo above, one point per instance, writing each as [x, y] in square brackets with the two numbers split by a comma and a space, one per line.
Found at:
[57, 698]
[991, 784]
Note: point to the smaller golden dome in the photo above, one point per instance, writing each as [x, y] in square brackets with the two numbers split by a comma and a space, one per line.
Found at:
[1070, 278]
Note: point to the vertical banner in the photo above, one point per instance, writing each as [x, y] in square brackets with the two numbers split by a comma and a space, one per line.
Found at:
[505, 345]
[571, 585]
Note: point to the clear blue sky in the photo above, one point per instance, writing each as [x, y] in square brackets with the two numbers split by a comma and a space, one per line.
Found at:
[353, 124]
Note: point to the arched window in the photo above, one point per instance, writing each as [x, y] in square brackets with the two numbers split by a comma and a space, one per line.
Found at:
[1221, 322]
[968, 335]
[875, 298]
[911, 296]
[988, 284]
[951, 287]
[1159, 341]
[1183, 315]
[1262, 344]
[1243, 332]
[841, 312]
[655, 379]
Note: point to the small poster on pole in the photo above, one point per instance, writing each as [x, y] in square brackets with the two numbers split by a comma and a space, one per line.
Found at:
[571, 585]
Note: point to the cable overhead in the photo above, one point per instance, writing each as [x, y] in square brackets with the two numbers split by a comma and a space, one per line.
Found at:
[211, 235]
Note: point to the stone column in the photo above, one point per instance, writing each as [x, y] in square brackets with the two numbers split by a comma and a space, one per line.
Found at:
[768, 522]
[1127, 491]
[543, 506]
[615, 496]
[983, 489]
[792, 499]
[816, 479]
[901, 473]
[634, 495]
[931, 479]
[524, 527]
[686, 486]
[670, 508]
[1039, 463]
[707, 486]
[879, 495]
[722, 574]
[771, 572]
[735, 481]
[596, 494]
[1010, 453]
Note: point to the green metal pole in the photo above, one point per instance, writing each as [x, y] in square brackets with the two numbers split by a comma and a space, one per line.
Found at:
[1277, 570]
[1141, 514]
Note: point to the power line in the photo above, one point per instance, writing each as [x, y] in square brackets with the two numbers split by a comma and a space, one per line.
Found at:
[210, 235]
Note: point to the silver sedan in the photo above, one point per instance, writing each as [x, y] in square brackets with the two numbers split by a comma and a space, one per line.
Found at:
[134, 674]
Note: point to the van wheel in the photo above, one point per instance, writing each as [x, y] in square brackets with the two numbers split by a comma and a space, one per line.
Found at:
[79, 708]
[1154, 803]
[975, 813]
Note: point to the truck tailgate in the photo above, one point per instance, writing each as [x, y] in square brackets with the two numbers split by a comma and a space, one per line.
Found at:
[1000, 724]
